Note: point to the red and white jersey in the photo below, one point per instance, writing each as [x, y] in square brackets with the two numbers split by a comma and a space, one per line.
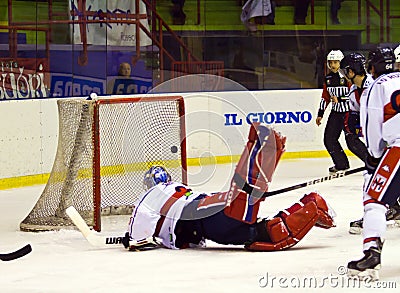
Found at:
[355, 93]
[158, 210]
[380, 114]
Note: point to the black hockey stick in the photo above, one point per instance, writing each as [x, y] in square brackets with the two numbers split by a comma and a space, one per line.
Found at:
[250, 190]
[16, 254]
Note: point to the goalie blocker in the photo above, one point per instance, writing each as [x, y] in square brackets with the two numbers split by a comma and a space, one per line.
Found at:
[182, 218]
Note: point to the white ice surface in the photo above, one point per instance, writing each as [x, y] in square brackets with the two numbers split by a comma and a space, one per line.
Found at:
[64, 261]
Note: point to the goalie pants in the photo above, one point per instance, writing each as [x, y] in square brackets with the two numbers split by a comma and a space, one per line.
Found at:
[212, 224]
[286, 229]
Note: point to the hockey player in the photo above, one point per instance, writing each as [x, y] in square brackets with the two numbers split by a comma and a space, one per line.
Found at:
[172, 215]
[380, 122]
[335, 90]
[353, 67]
[397, 55]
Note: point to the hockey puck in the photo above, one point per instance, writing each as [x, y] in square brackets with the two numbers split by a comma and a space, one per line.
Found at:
[174, 149]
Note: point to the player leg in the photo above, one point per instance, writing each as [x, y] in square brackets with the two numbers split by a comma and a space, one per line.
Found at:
[289, 226]
[199, 222]
[381, 190]
[254, 172]
[374, 222]
[392, 219]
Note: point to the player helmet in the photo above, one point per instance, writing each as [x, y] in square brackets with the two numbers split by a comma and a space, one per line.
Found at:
[335, 55]
[154, 176]
[355, 62]
[397, 53]
[382, 58]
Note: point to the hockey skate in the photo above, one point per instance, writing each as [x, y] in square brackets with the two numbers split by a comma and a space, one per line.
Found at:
[367, 268]
[356, 227]
[333, 170]
[394, 213]
[392, 220]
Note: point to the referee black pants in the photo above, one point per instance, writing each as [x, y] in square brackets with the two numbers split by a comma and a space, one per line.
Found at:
[333, 129]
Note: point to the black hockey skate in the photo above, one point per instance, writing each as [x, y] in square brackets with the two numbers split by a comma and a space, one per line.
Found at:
[356, 227]
[333, 170]
[368, 266]
[394, 212]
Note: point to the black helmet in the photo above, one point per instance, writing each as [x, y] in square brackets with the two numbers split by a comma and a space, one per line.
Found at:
[355, 62]
[382, 58]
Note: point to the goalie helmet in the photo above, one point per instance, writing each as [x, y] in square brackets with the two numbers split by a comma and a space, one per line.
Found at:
[382, 58]
[355, 62]
[155, 175]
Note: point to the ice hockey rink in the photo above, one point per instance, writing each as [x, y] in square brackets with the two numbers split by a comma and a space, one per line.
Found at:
[64, 261]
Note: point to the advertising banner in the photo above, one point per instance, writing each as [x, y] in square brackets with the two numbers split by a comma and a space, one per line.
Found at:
[114, 34]
[24, 78]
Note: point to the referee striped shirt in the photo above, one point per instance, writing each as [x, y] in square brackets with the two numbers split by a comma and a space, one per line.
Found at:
[335, 85]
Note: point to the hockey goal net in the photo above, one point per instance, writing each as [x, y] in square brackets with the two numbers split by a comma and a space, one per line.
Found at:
[104, 148]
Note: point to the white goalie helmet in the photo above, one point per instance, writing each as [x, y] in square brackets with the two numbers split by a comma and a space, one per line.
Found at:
[154, 176]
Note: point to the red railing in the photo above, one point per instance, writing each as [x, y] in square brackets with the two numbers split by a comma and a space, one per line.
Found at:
[379, 11]
[158, 29]
[389, 16]
[385, 16]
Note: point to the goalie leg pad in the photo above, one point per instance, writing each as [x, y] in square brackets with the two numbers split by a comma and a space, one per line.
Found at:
[260, 157]
[277, 230]
[288, 228]
[241, 206]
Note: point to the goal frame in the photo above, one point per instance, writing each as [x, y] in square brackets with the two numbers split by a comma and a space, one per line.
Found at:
[96, 144]
[90, 131]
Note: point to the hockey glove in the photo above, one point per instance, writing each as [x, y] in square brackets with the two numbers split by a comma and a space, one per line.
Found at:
[371, 163]
[353, 123]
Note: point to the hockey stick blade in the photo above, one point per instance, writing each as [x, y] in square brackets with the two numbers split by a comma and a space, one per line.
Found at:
[101, 241]
[314, 181]
[91, 236]
[16, 254]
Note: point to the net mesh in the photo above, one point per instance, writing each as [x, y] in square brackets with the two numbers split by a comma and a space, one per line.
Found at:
[133, 135]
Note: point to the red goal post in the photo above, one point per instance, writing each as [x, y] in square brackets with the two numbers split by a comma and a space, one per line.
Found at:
[105, 146]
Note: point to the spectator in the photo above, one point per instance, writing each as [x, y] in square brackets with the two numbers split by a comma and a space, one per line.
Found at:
[300, 11]
[301, 8]
[335, 6]
[178, 16]
[123, 83]
[124, 69]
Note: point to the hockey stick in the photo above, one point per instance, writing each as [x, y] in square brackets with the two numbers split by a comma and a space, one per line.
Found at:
[250, 190]
[91, 236]
[314, 181]
[98, 240]
[16, 254]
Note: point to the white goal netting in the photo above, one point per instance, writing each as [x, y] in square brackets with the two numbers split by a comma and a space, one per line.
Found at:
[104, 148]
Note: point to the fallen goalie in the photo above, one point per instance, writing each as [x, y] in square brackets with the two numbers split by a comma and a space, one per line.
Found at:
[169, 214]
